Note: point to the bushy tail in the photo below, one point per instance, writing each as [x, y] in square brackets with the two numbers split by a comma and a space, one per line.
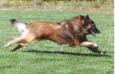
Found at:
[15, 21]
[19, 25]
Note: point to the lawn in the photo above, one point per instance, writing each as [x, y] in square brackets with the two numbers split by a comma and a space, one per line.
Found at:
[45, 57]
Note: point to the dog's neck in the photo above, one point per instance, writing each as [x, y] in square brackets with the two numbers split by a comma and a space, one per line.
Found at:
[20, 26]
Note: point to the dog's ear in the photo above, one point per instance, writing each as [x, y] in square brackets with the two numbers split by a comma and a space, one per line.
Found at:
[79, 20]
[87, 18]
[80, 17]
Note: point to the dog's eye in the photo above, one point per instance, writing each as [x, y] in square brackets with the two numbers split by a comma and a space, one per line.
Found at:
[93, 25]
[89, 26]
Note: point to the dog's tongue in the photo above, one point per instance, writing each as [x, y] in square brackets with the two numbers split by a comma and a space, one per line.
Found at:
[93, 33]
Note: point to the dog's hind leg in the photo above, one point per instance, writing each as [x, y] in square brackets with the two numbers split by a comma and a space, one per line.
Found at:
[92, 46]
[13, 41]
[17, 47]
[24, 42]
[21, 41]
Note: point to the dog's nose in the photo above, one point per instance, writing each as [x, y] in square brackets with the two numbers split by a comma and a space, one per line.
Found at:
[98, 31]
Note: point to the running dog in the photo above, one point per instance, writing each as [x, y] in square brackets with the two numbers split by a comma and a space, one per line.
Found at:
[72, 32]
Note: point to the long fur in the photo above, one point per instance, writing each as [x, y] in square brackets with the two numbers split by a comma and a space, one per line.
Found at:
[71, 32]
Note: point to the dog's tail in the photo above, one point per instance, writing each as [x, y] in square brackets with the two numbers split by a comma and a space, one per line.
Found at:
[18, 24]
[13, 21]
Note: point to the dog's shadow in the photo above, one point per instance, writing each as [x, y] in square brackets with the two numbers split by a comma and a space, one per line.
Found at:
[66, 53]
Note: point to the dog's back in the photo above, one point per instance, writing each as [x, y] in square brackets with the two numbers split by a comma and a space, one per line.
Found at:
[45, 30]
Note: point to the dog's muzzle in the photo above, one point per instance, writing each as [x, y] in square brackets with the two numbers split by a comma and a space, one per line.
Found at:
[94, 31]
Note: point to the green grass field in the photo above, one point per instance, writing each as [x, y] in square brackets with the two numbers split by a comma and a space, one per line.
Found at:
[45, 57]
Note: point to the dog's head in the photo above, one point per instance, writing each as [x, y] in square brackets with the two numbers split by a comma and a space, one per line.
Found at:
[87, 24]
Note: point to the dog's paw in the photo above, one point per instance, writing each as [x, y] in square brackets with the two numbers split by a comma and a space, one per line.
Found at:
[12, 50]
[5, 45]
[103, 52]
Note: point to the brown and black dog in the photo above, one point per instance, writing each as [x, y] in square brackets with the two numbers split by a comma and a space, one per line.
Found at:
[71, 32]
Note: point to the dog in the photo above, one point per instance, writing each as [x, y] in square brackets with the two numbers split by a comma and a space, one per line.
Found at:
[72, 32]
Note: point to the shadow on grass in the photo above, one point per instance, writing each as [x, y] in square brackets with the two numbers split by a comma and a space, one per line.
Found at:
[66, 53]
[5, 67]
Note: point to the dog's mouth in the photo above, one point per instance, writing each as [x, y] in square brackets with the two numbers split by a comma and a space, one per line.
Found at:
[94, 31]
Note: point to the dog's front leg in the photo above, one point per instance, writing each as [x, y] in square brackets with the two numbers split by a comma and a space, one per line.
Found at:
[62, 46]
[92, 46]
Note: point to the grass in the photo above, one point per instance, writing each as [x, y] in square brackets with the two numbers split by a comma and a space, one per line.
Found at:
[45, 58]
[60, 5]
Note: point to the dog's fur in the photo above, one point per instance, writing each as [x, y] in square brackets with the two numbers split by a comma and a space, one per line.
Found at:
[71, 32]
